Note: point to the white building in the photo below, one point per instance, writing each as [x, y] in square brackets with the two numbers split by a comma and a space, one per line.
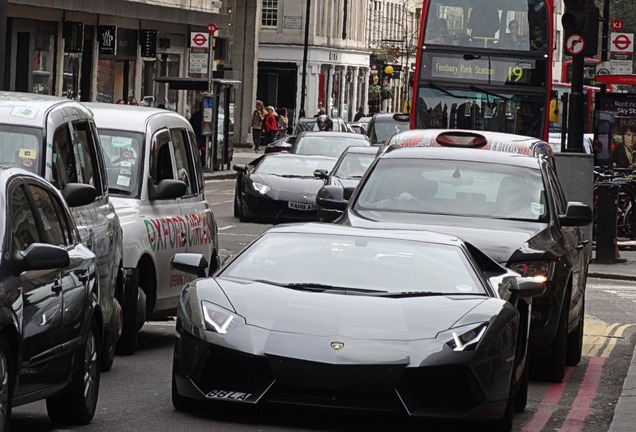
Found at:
[337, 70]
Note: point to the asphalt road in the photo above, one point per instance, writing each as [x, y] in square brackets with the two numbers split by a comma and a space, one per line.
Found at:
[135, 394]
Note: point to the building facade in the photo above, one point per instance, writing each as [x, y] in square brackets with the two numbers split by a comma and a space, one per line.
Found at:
[337, 65]
[104, 51]
[392, 34]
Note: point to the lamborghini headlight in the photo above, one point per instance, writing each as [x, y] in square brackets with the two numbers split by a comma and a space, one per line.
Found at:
[261, 188]
[464, 338]
[540, 270]
[220, 320]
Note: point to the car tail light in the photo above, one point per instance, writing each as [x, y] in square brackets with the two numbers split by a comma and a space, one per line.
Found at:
[540, 270]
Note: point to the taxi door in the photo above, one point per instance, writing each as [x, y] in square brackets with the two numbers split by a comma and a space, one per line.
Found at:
[195, 209]
[166, 229]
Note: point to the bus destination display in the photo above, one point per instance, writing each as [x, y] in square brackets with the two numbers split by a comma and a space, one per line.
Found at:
[497, 72]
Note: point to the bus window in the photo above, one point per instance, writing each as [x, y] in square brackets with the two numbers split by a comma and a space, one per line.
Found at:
[498, 24]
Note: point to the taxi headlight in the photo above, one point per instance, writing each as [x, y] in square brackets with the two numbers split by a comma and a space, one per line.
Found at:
[220, 320]
[464, 338]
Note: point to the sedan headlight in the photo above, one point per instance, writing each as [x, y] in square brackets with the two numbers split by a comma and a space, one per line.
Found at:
[261, 188]
[464, 338]
[220, 320]
[540, 270]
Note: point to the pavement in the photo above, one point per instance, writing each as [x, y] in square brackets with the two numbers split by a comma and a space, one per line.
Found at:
[624, 268]
[242, 155]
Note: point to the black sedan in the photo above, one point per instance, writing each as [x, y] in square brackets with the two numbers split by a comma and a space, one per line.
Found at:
[332, 316]
[50, 319]
[507, 202]
[279, 187]
[347, 173]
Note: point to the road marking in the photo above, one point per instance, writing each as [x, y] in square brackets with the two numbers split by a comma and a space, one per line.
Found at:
[549, 404]
[621, 290]
[582, 404]
[221, 202]
[226, 227]
[600, 338]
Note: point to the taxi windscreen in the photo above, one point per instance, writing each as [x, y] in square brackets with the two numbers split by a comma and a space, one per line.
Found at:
[21, 147]
[123, 159]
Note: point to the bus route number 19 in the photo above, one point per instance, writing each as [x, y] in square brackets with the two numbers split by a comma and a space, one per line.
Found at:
[515, 73]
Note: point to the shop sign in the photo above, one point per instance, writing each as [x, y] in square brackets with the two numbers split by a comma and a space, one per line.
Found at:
[107, 40]
[198, 61]
[73, 36]
[148, 42]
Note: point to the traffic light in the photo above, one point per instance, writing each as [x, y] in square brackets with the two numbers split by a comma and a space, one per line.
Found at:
[574, 18]
[582, 17]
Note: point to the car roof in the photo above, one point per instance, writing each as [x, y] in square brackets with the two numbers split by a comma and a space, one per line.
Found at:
[127, 117]
[470, 155]
[392, 117]
[383, 230]
[361, 150]
[494, 141]
[296, 156]
[336, 135]
[30, 109]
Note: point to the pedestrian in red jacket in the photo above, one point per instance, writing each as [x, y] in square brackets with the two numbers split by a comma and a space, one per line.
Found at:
[271, 125]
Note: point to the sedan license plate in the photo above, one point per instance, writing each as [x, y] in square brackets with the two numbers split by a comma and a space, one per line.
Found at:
[302, 206]
[231, 395]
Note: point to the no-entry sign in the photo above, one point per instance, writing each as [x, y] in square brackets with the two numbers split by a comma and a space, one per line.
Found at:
[622, 43]
[575, 44]
[199, 40]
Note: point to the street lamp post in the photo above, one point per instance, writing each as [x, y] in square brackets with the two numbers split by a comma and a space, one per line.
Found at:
[3, 42]
[303, 91]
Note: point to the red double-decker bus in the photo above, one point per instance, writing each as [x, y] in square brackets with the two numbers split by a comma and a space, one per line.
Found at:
[589, 71]
[484, 65]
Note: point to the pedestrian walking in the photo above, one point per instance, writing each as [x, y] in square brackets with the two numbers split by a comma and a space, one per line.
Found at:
[258, 115]
[271, 125]
[196, 121]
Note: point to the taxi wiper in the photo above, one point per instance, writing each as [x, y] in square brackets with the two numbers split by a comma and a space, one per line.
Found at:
[115, 190]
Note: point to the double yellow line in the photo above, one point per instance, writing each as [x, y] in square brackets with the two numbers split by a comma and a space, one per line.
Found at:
[599, 337]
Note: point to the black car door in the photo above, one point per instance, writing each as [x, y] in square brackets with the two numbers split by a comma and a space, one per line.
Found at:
[41, 363]
[77, 278]
[573, 243]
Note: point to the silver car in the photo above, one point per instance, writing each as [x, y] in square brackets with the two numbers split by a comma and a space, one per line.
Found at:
[57, 139]
[156, 182]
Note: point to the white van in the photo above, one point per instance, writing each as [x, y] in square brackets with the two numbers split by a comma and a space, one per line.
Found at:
[156, 184]
[57, 139]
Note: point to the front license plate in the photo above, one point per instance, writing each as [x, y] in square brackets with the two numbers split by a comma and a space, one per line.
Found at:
[231, 395]
[302, 206]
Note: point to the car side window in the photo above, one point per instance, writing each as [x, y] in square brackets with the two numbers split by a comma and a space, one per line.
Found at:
[86, 159]
[23, 228]
[183, 160]
[559, 199]
[197, 165]
[63, 162]
[161, 158]
[53, 230]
